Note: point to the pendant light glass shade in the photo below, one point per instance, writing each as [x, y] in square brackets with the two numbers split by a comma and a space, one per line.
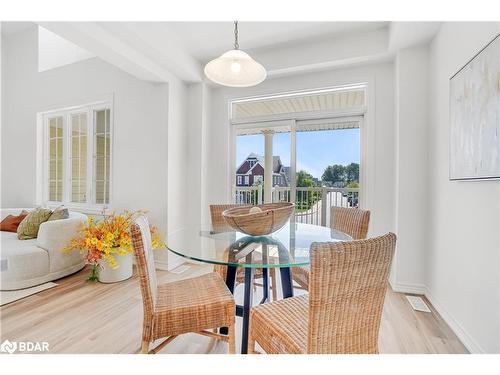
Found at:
[235, 68]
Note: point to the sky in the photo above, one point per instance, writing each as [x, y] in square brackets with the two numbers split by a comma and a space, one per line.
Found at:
[315, 150]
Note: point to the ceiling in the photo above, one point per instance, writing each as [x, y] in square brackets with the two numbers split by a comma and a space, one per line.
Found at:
[207, 40]
[165, 51]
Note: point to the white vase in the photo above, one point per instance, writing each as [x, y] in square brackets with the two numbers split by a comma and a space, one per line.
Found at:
[106, 274]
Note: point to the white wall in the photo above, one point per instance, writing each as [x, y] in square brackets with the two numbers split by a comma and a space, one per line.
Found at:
[198, 94]
[177, 154]
[54, 51]
[380, 150]
[141, 144]
[463, 258]
[411, 118]
[177, 212]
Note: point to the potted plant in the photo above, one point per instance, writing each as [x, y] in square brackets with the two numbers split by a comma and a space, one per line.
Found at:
[107, 246]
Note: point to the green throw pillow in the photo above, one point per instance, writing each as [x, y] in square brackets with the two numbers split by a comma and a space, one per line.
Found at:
[28, 228]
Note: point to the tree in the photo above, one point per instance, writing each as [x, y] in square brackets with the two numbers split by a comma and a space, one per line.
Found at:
[305, 199]
[334, 173]
[304, 179]
[352, 172]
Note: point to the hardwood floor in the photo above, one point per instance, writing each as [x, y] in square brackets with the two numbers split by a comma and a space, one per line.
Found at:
[81, 317]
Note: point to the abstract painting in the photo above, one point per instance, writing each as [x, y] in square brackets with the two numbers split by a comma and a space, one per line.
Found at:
[475, 117]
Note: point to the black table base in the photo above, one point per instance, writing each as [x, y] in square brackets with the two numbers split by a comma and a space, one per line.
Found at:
[244, 311]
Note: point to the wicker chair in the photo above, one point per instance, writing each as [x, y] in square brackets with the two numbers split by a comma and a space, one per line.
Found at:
[352, 221]
[192, 305]
[341, 313]
[219, 225]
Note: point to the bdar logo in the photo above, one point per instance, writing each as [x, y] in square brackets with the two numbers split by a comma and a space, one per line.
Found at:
[8, 347]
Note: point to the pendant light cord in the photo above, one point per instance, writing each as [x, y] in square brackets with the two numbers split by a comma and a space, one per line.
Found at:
[236, 45]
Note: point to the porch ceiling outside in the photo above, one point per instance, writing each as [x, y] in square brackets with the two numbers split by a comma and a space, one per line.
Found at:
[306, 102]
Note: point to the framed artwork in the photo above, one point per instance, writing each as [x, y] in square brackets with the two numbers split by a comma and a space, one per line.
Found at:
[475, 117]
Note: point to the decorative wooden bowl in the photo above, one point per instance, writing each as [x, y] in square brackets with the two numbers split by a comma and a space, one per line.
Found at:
[251, 221]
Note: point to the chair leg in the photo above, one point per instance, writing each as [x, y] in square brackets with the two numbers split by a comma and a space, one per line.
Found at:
[251, 343]
[144, 347]
[232, 339]
[274, 288]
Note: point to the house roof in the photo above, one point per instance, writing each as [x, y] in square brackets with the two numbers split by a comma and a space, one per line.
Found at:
[286, 171]
[277, 164]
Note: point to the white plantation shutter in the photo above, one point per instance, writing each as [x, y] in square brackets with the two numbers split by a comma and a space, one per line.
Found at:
[77, 156]
[102, 144]
[55, 158]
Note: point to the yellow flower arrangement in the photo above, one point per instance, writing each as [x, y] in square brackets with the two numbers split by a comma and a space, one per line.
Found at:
[108, 238]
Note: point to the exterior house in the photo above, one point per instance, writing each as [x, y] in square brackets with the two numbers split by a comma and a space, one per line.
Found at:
[251, 172]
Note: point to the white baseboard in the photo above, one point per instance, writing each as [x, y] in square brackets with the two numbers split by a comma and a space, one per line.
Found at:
[161, 265]
[466, 339]
[175, 261]
[408, 288]
[169, 261]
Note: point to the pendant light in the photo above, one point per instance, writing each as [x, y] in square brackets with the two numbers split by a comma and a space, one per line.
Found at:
[235, 68]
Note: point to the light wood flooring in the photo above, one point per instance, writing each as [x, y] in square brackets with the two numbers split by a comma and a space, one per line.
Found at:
[81, 317]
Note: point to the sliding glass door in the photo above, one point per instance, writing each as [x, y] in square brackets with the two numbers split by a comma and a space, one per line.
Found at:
[328, 161]
[314, 163]
[302, 147]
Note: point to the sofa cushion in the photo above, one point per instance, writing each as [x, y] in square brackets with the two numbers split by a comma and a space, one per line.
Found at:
[11, 222]
[29, 226]
[59, 213]
[22, 259]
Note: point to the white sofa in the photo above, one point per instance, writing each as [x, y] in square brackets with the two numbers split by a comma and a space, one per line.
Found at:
[26, 263]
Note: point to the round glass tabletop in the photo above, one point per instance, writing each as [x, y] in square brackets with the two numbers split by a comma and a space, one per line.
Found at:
[287, 247]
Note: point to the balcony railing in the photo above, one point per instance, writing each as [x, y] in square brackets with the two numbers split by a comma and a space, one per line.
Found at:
[248, 194]
[312, 204]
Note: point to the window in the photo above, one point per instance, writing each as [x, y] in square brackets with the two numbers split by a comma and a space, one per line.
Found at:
[247, 180]
[78, 158]
[77, 154]
[102, 155]
[239, 180]
[55, 155]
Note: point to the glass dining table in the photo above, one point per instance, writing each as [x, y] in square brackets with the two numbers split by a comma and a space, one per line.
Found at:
[284, 249]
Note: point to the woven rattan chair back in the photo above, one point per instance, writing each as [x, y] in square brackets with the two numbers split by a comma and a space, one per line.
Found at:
[218, 223]
[353, 221]
[347, 286]
[141, 241]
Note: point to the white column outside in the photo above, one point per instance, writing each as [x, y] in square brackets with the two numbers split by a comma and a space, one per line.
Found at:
[268, 166]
